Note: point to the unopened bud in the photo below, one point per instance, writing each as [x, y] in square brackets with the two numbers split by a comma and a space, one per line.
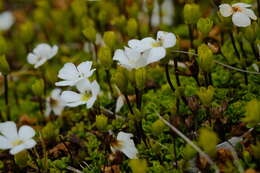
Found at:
[205, 59]
[4, 66]
[38, 87]
[191, 13]
[101, 122]
[120, 78]
[90, 33]
[132, 27]
[140, 78]
[138, 166]
[21, 159]
[157, 127]
[105, 57]
[206, 95]
[204, 25]
[110, 38]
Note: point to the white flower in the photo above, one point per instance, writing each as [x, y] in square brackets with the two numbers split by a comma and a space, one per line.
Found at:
[167, 13]
[131, 58]
[88, 94]
[125, 144]
[6, 20]
[54, 103]
[241, 15]
[72, 75]
[157, 48]
[41, 54]
[119, 102]
[14, 141]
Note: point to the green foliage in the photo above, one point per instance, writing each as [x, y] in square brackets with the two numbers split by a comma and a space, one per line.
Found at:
[208, 140]
[138, 166]
[252, 112]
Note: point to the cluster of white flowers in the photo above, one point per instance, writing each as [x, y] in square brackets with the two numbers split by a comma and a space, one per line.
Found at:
[14, 141]
[240, 12]
[146, 51]
[78, 77]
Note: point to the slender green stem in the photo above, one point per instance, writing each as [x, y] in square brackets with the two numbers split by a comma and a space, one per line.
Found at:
[255, 52]
[108, 76]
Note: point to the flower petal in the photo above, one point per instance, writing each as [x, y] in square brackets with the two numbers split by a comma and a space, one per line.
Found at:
[225, 10]
[250, 13]
[128, 146]
[32, 58]
[241, 5]
[29, 143]
[168, 39]
[156, 54]
[26, 132]
[17, 149]
[55, 94]
[40, 62]
[147, 43]
[83, 85]
[4, 143]
[9, 130]
[119, 103]
[241, 20]
[70, 96]
[69, 72]
[85, 68]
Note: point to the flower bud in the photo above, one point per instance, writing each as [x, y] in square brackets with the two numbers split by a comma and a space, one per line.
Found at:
[38, 87]
[205, 59]
[206, 135]
[252, 112]
[79, 7]
[158, 127]
[4, 66]
[26, 31]
[21, 159]
[140, 78]
[206, 95]
[191, 13]
[3, 45]
[138, 165]
[119, 22]
[120, 78]
[110, 38]
[105, 57]
[132, 27]
[101, 122]
[90, 33]
[250, 32]
[204, 25]
[50, 131]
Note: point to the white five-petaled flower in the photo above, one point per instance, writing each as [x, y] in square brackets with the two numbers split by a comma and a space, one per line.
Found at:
[241, 14]
[14, 141]
[73, 75]
[125, 144]
[88, 94]
[54, 103]
[131, 58]
[6, 20]
[42, 53]
[156, 48]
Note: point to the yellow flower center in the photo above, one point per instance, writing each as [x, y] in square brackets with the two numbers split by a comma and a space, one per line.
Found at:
[17, 142]
[236, 9]
[156, 44]
[117, 144]
[53, 102]
[85, 97]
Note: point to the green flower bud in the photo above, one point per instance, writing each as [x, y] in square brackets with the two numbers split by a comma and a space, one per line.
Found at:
[252, 112]
[4, 66]
[26, 32]
[1, 164]
[3, 45]
[105, 57]
[21, 159]
[140, 78]
[250, 32]
[208, 140]
[90, 33]
[205, 59]
[120, 78]
[110, 38]
[158, 127]
[191, 13]
[256, 150]
[51, 75]
[189, 152]
[101, 122]
[132, 27]
[79, 7]
[38, 87]
[119, 22]
[138, 165]
[144, 30]
[50, 131]
[206, 95]
[204, 25]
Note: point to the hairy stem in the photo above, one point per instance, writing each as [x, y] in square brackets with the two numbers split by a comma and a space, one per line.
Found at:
[168, 77]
